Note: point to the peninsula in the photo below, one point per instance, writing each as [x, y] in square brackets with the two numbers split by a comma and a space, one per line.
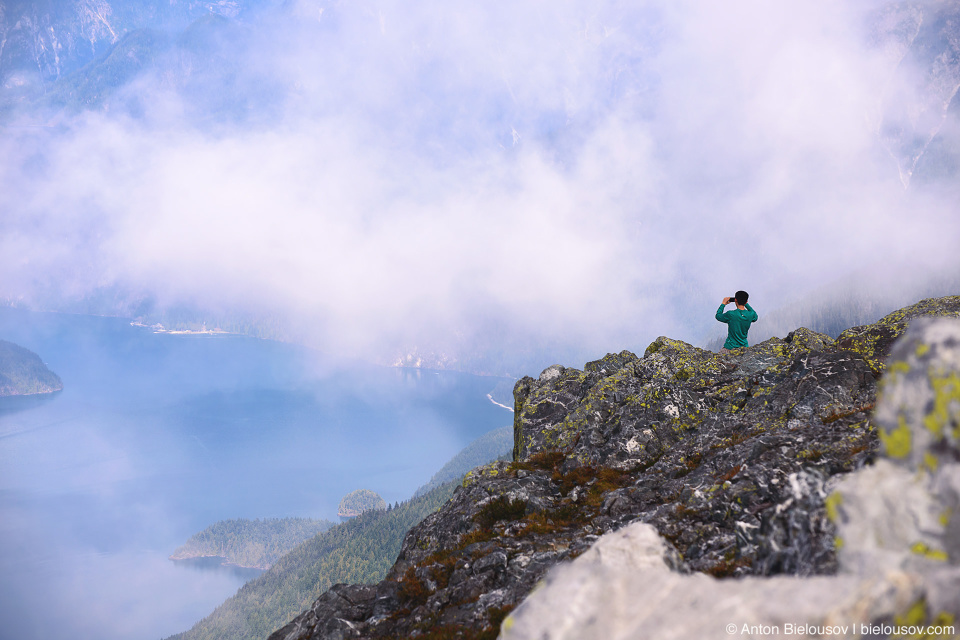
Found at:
[23, 373]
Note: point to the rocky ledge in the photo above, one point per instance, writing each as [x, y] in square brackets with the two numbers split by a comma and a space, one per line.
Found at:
[898, 542]
[725, 460]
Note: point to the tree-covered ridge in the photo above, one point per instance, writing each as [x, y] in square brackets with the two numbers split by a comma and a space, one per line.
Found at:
[361, 550]
[22, 372]
[255, 544]
[356, 502]
[496, 444]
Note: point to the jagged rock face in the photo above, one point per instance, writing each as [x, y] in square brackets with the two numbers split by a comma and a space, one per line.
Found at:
[728, 456]
[898, 526]
[42, 40]
[47, 38]
[723, 442]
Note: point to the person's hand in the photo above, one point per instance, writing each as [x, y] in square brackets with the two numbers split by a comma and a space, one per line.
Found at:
[727, 300]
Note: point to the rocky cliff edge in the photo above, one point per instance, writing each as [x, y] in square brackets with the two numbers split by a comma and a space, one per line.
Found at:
[719, 464]
[897, 541]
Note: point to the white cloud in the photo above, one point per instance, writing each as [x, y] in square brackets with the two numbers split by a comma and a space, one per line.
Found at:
[573, 171]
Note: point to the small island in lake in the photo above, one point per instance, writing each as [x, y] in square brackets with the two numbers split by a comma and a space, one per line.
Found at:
[356, 502]
[251, 544]
[23, 373]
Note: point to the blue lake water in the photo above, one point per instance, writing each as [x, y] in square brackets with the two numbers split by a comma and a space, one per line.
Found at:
[157, 436]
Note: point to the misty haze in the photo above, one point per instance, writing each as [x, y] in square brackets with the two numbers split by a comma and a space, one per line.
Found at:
[258, 254]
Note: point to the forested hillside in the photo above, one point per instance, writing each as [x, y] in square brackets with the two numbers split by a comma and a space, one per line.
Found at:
[255, 544]
[361, 550]
[22, 372]
[491, 446]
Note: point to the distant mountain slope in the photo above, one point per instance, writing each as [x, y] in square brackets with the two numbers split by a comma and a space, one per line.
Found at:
[44, 42]
[361, 550]
[491, 446]
[922, 42]
[22, 372]
[79, 54]
[255, 544]
[50, 38]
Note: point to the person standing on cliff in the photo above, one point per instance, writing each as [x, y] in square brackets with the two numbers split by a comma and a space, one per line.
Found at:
[738, 321]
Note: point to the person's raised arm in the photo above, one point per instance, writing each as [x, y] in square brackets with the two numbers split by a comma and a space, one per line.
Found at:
[753, 317]
[720, 316]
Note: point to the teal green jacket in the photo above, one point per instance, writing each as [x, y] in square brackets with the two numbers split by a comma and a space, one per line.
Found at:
[738, 323]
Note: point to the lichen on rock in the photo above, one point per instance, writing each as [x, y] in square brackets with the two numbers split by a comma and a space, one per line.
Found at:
[873, 341]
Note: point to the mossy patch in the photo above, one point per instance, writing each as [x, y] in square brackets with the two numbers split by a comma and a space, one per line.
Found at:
[473, 476]
[475, 536]
[898, 442]
[413, 591]
[543, 460]
[500, 508]
[728, 567]
[923, 549]
[833, 416]
[832, 504]
[913, 616]
[550, 522]
[946, 397]
[728, 475]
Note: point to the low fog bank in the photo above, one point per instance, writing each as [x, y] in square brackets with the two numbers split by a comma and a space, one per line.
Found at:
[493, 188]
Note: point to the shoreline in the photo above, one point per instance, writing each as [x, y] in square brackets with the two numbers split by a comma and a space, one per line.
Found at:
[159, 328]
[30, 395]
[226, 561]
[490, 398]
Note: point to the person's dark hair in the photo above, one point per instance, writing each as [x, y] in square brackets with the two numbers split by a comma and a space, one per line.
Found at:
[742, 297]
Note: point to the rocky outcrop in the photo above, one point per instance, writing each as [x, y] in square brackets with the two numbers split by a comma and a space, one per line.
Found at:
[51, 38]
[729, 458]
[898, 526]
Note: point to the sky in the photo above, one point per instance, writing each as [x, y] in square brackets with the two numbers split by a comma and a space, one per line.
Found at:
[590, 174]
